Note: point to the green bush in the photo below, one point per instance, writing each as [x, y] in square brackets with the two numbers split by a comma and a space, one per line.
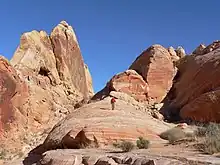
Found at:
[173, 134]
[126, 146]
[142, 143]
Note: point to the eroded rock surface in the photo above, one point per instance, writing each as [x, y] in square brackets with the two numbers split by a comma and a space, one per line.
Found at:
[46, 79]
[157, 69]
[96, 125]
[195, 95]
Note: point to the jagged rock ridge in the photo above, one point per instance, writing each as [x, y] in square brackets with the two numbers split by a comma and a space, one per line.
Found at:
[46, 78]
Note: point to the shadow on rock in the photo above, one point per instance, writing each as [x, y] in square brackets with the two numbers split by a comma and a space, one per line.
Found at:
[35, 155]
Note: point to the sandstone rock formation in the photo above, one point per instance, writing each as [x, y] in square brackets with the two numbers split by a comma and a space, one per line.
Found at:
[47, 79]
[89, 81]
[180, 52]
[195, 95]
[202, 49]
[13, 96]
[173, 54]
[157, 69]
[148, 79]
[199, 50]
[128, 82]
[96, 125]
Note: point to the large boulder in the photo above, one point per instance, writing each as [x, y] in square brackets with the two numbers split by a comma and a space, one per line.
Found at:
[195, 95]
[128, 82]
[131, 83]
[52, 73]
[157, 69]
[96, 125]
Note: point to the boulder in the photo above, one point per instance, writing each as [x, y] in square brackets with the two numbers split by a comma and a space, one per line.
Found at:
[106, 161]
[60, 157]
[128, 82]
[96, 125]
[195, 93]
[131, 83]
[156, 67]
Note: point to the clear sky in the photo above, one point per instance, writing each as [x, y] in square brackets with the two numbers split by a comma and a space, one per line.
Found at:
[112, 33]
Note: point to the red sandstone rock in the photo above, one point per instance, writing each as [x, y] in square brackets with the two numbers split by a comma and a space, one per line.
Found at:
[96, 124]
[13, 96]
[157, 69]
[196, 91]
[52, 79]
[131, 83]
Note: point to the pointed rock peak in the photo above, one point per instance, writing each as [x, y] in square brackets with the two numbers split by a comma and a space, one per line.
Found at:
[157, 46]
[64, 23]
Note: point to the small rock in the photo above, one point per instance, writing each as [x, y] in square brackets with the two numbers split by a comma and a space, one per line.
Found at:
[143, 161]
[105, 161]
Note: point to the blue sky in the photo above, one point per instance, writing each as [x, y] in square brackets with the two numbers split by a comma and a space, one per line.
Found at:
[112, 33]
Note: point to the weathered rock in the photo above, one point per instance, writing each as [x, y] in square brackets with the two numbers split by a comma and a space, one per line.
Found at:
[143, 161]
[125, 97]
[105, 161]
[215, 45]
[199, 50]
[202, 49]
[156, 67]
[47, 79]
[195, 95]
[157, 115]
[96, 123]
[173, 54]
[180, 52]
[90, 159]
[13, 96]
[89, 81]
[128, 82]
[59, 157]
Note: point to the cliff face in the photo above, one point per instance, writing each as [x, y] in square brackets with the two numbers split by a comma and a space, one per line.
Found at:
[149, 77]
[46, 78]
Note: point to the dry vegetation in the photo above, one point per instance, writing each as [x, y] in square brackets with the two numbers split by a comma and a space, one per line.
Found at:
[209, 138]
[127, 146]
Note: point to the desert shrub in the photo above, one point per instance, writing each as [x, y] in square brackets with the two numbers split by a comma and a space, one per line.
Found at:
[211, 141]
[125, 146]
[142, 143]
[173, 135]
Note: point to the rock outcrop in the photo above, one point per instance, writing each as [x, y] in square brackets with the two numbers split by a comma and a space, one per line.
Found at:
[148, 79]
[173, 54]
[180, 52]
[202, 49]
[195, 95]
[96, 125]
[128, 82]
[199, 50]
[13, 96]
[50, 70]
[157, 69]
